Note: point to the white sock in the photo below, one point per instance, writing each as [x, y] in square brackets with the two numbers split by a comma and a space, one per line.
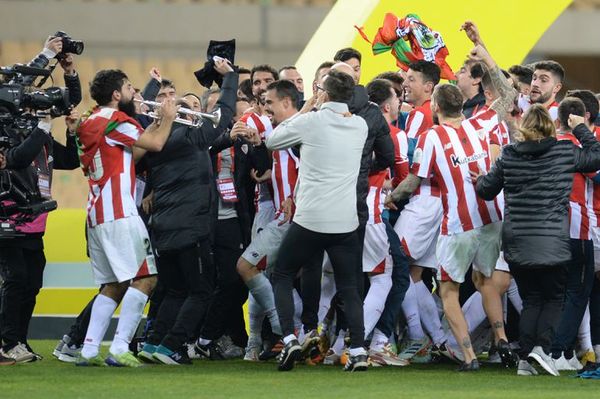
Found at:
[132, 307]
[410, 307]
[375, 300]
[338, 345]
[327, 289]
[102, 311]
[260, 288]
[256, 316]
[297, 311]
[379, 340]
[288, 338]
[428, 313]
[585, 333]
[513, 295]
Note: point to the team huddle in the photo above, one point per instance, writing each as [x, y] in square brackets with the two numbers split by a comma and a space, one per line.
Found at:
[349, 220]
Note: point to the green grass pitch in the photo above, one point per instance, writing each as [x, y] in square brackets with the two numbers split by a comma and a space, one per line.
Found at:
[50, 378]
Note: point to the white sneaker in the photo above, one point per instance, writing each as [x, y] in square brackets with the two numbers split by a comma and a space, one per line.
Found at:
[547, 363]
[311, 339]
[562, 364]
[331, 358]
[69, 354]
[252, 354]
[191, 351]
[61, 344]
[414, 346]
[386, 357]
[525, 368]
[20, 354]
[575, 363]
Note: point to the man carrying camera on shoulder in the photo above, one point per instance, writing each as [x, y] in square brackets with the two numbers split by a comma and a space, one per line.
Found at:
[31, 154]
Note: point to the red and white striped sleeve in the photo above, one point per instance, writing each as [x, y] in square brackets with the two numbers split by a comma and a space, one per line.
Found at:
[125, 135]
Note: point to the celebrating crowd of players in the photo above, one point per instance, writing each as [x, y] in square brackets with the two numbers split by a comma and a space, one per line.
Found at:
[255, 206]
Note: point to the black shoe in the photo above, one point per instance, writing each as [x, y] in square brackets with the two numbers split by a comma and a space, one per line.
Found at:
[473, 366]
[290, 353]
[271, 351]
[510, 359]
[211, 351]
[36, 356]
[357, 363]
[168, 356]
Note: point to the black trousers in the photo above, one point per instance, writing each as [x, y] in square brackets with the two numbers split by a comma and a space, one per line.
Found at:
[543, 294]
[298, 248]
[579, 286]
[225, 315]
[79, 327]
[22, 270]
[187, 275]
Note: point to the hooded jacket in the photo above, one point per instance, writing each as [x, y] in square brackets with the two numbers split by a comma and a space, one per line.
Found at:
[537, 177]
[378, 153]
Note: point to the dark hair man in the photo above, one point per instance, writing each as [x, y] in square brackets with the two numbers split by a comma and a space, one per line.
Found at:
[453, 170]
[351, 57]
[546, 82]
[581, 272]
[118, 242]
[244, 74]
[328, 224]
[281, 104]
[290, 73]
[320, 74]
[260, 77]
[522, 75]
[468, 80]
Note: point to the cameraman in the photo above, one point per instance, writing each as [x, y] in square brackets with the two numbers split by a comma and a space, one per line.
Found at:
[53, 49]
[22, 259]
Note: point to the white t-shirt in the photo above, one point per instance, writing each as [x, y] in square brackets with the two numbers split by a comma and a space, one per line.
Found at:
[331, 151]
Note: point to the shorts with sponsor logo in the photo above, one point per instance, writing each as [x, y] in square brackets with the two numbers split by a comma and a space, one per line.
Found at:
[479, 247]
[265, 215]
[376, 249]
[501, 264]
[419, 227]
[595, 233]
[262, 251]
[120, 250]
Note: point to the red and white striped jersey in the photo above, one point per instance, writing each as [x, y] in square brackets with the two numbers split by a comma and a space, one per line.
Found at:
[579, 215]
[284, 175]
[499, 133]
[401, 168]
[449, 155]
[525, 103]
[375, 198]
[106, 152]
[594, 198]
[264, 191]
[419, 120]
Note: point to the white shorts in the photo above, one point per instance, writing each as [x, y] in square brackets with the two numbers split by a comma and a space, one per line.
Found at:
[456, 252]
[501, 264]
[262, 251]
[120, 250]
[264, 216]
[595, 232]
[418, 228]
[376, 249]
